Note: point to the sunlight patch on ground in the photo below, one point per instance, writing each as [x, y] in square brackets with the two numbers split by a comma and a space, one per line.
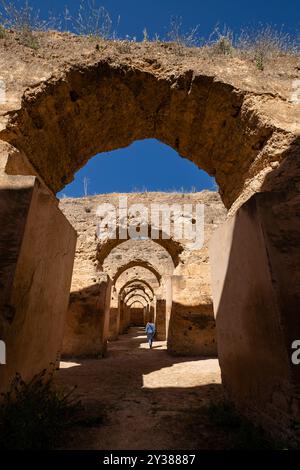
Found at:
[68, 365]
[156, 345]
[173, 376]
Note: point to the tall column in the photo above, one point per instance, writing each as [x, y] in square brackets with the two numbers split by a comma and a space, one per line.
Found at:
[160, 319]
[114, 316]
[255, 260]
[87, 323]
[37, 247]
[169, 298]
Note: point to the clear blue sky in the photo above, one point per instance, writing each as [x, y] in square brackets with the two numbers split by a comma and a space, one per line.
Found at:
[150, 164]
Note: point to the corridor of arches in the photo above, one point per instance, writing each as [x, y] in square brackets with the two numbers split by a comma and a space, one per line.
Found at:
[242, 131]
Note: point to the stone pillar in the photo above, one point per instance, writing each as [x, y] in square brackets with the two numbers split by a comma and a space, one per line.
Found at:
[37, 247]
[255, 260]
[169, 295]
[114, 317]
[106, 313]
[160, 319]
[124, 317]
[155, 308]
[192, 324]
[87, 325]
[127, 317]
[118, 319]
[151, 311]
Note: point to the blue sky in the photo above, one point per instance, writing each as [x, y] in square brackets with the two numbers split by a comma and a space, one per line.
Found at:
[150, 164]
[145, 165]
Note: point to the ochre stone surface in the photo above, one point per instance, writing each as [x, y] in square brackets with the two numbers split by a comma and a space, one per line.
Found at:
[189, 323]
[232, 120]
[257, 323]
[75, 97]
[33, 315]
[86, 328]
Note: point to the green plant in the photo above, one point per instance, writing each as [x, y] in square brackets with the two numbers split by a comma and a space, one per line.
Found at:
[259, 58]
[264, 42]
[34, 415]
[21, 17]
[221, 42]
[2, 32]
[28, 39]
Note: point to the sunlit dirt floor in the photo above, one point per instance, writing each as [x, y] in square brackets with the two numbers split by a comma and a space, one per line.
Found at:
[137, 398]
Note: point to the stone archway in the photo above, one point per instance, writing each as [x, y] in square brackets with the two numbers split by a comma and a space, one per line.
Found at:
[136, 263]
[201, 116]
[128, 291]
[137, 311]
[137, 290]
[244, 132]
[138, 283]
[130, 277]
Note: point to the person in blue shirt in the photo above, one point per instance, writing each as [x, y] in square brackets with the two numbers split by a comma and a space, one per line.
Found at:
[150, 331]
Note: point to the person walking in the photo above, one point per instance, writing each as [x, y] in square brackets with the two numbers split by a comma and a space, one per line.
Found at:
[150, 331]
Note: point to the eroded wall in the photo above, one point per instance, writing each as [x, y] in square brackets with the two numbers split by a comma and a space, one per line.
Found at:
[87, 321]
[40, 262]
[255, 267]
[192, 329]
[187, 314]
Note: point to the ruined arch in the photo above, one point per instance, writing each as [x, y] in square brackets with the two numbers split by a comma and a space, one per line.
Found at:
[140, 282]
[137, 287]
[137, 263]
[136, 292]
[173, 247]
[131, 275]
[141, 251]
[133, 295]
[205, 118]
[242, 129]
[136, 301]
[137, 317]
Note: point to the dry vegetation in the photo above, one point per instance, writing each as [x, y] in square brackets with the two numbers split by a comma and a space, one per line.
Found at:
[257, 44]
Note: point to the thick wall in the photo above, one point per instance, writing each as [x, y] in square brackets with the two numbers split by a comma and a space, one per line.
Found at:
[87, 322]
[114, 323]
[191, 326]
[160, 320]
[124, 317]
[137, 316]
[15, 197]
[256, 297]
[191, 291]
[41, 258]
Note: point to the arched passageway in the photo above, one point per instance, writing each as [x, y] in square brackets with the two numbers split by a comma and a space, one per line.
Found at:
[231, 126]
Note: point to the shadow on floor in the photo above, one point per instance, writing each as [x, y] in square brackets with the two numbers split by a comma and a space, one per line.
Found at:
[137, 398]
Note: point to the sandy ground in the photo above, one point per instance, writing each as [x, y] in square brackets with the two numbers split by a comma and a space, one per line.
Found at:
[138, 398]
